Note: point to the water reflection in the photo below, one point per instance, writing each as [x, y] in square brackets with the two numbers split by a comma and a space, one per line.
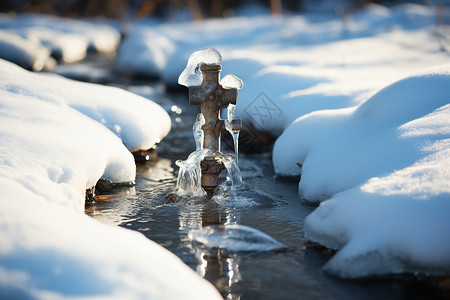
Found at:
[215, 265]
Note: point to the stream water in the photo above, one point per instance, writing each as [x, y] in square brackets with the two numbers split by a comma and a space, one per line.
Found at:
[264, 203]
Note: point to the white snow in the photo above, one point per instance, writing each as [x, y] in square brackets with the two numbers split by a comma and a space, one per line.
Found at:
[59, 137]
[191, 75]
[369, 138]
[385, 167]
[302, 63]
[29, 55]
[68, 40]
[364, 132]
[133, 122]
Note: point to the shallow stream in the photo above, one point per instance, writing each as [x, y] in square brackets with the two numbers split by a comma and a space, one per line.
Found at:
[266, 203]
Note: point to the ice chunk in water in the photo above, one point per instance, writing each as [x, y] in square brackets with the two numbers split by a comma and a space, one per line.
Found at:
[234, 238]
[192, 76]
[231, 82]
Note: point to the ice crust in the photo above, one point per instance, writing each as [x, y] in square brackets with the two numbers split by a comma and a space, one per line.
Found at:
[191, 75]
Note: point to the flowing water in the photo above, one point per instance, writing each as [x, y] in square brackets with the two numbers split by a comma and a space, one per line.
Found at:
[248, 240]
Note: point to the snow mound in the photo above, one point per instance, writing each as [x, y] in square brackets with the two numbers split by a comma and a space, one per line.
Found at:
[28, 55]
[138, 122]
[60, 137]
[67, 40]
[355, 144]
[385, 167]
[50, 252]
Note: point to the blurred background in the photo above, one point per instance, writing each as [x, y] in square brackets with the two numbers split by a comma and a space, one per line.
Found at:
[193, 9]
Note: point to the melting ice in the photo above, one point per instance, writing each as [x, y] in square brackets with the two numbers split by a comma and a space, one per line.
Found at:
[234, 238]
[189, 175]
[197, 131]
[192, 76]
[234, 133]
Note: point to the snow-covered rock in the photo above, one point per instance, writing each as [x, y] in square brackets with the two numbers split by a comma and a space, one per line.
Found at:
[27, 54]
[59, 137]
[355, 144]
[385, 165]
[139, 123]
[67, 40]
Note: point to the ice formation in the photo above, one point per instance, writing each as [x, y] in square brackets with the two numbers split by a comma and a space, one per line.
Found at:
[231, 81]
[234, 238]
[189, 174]
[192, 76]
[197, 131]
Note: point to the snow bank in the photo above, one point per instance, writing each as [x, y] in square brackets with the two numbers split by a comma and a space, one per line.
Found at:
[60, 137]
[300, 63]
[385, 166]
[50, 252]
[67, 40]
[138, 122]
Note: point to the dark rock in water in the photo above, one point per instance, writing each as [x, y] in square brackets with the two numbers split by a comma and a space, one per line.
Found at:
[235, 238]
[90, 195]
[142, 156]
[172, 198]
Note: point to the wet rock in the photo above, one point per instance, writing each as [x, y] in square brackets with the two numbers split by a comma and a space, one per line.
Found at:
[142, 156]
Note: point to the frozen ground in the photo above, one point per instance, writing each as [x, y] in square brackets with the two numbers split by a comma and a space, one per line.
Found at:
[362, 116]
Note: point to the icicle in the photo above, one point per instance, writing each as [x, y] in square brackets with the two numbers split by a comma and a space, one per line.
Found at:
[198, 132]
[233, 169]
[234, 133]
